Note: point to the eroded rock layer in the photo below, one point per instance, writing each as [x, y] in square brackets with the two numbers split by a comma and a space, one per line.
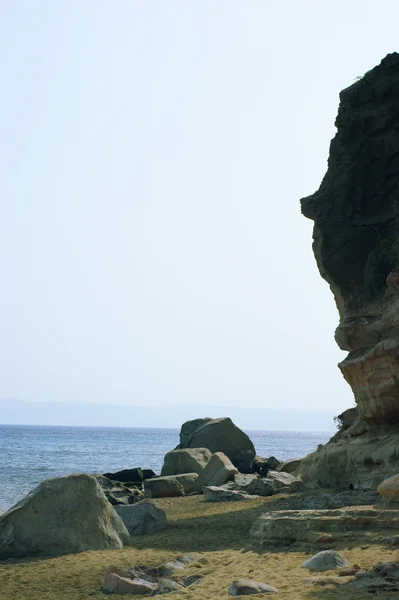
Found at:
[356, 239]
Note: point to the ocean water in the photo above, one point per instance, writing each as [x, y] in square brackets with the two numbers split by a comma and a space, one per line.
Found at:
[30, 454]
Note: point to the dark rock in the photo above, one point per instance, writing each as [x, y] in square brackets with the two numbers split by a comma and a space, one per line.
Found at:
[148, 474]
[126, 476]
[356, 242]
[188, 428]
[219, 435]
[273, 463]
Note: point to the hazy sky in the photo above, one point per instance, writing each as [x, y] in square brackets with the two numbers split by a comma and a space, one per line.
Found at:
[152, 158]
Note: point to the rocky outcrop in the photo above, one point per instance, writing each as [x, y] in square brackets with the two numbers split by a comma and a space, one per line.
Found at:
[189, 460]
[356, 242]
[219, 435]
[308, 528]
[61, 516]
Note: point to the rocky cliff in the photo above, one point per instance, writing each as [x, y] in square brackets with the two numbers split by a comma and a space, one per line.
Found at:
[356, 242]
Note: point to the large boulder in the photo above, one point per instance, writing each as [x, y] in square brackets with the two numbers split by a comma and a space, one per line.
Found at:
[61, 516]
[188, 460]
[142, 518]
[219, 435]
[170, 485]
[189, 427]
[217, 472]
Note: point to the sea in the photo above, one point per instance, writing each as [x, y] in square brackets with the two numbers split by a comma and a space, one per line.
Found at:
[30, 454]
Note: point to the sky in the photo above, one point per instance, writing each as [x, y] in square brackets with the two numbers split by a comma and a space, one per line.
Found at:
[152, 159]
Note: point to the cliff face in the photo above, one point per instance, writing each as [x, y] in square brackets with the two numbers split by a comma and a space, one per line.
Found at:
[356, 239]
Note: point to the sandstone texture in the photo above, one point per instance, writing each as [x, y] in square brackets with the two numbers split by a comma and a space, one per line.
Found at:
[219, 435]
[389, 490]
[308, 528]
[170, 485]
[61, 516]
[355, 242]
[188, 460]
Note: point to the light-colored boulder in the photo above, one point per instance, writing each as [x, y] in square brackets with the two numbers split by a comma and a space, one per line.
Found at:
[389, 489]
[115, 584]
[142, 518]
[187, 460]
[218, 471]
[222, 494]
[61, 516]
[247, 587]
[170, 485]
[327, 560]
[219, 435]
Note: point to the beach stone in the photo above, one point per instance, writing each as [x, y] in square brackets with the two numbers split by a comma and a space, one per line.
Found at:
[274, 482]
[169, 486]
[221, 494]
[247, 587]
[218, 471]
[166, 586]
[389, 489]
[126, 476]
[143, 518]
[219, 435]
[61, 516]
[327, 560]
[176, 564]
[115, 584]
[187, 460]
